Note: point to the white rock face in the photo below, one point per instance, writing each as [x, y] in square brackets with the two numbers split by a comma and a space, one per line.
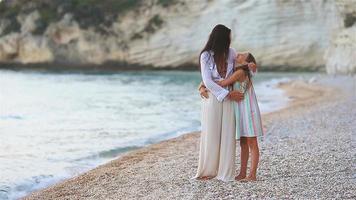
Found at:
[28, 22]
[280, 33]
[24, 49]
[9, 47]
[64, 31]
[33, 49]
[340, 55]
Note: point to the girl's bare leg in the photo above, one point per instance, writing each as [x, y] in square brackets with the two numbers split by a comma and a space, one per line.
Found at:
[244, 159]
[255, 156]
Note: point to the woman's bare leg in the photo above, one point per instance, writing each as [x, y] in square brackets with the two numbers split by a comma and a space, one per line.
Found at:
[244, 158]
[255, 156]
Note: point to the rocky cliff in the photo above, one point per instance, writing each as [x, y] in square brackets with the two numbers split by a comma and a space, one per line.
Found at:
[282, 34]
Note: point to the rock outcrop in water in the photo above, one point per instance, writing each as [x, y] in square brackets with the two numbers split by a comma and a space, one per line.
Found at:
[286, 35]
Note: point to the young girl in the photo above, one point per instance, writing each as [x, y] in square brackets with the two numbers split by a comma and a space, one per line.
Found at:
[247, 113]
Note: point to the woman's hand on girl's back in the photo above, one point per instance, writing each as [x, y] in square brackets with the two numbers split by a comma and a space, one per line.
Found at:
[236, 95]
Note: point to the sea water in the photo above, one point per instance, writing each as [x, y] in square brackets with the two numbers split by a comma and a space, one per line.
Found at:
[56, 125]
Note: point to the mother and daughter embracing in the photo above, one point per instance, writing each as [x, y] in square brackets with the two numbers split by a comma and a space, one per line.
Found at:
[230, 110]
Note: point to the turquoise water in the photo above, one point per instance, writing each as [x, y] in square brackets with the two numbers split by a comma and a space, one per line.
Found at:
[56, 125]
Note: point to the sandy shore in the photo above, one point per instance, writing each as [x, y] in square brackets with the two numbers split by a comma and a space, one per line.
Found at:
[308, 153]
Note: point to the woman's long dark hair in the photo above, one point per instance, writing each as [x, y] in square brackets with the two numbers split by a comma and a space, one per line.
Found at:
[219, 42]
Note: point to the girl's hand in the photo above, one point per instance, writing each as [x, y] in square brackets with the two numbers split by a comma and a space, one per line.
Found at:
[220, 83]
[203, 92]
[252, 66]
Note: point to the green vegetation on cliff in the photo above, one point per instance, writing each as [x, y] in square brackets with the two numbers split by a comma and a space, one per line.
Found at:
[95, 13]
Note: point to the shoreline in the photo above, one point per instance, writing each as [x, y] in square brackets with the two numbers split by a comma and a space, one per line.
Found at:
[300, 99]
[119, 176]
[110, 67]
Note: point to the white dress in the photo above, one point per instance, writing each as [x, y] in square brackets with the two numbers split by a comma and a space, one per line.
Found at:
[217, 141]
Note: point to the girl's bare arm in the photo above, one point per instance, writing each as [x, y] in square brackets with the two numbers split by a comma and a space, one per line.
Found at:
[238, 75]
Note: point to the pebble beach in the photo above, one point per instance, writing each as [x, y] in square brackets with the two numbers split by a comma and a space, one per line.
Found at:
[307, 153]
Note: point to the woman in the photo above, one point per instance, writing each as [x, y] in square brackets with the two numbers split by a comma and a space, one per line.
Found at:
[217, 142]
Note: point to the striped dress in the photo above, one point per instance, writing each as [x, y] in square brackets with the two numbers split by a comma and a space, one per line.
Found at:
[247, 112]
